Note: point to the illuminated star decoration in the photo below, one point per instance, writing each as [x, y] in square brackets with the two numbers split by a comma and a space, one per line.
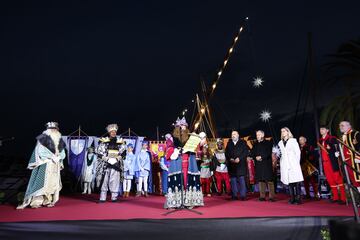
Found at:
[265, 116]
[258, 82]
[276, 151]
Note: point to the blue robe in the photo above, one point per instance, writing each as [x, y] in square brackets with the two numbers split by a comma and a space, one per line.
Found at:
[147, 166]
[143, 164]
[164, 165]
[192, 195]
[129, 166]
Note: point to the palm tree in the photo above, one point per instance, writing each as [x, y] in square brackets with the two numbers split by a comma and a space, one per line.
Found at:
[343, 69]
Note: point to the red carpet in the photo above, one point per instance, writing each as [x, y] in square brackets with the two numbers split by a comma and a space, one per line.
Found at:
[81, 207]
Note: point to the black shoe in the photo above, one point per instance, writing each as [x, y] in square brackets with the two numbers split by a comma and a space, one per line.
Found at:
[262, 199]
[340, 202]
[243, 199]
[297, 200]
[101, 201]
[234, 198]
[272, 200]
[291, 201]
[114, 200]
[333, 201]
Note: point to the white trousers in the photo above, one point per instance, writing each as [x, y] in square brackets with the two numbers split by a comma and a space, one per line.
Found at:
[127, 185]
[87, 188]
[143, 181]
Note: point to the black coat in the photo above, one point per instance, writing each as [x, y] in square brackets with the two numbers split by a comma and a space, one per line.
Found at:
[263, 168]
[241, 151]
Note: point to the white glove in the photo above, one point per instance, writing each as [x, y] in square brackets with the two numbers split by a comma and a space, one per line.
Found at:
[175, 154]
[357, 160]
[337, 154]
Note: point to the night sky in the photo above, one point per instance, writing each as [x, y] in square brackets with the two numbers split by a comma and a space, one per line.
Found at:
[138, 63]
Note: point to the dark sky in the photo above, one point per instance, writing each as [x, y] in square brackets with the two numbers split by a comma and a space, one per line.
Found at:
[138, 63]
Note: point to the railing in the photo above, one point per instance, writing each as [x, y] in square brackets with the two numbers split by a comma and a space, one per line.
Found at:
[349, 185]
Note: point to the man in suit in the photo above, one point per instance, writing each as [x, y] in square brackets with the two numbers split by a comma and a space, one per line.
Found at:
[236, 153]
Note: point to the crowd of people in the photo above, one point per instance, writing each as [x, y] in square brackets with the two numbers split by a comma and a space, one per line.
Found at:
[187, 176]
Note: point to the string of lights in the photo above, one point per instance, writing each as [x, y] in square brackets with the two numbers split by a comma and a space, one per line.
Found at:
[209, 92]
[226, 60]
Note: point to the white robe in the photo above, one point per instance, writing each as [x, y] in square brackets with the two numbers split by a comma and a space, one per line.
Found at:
[48, 194]
[89, 171]
[290, 169]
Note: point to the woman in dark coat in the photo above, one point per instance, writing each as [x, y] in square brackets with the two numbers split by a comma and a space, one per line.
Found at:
[264, 175]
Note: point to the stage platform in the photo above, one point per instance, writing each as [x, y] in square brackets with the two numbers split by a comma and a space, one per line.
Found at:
[84, 207]
[80, 217]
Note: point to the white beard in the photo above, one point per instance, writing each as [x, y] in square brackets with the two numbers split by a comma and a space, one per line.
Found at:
[55, 136]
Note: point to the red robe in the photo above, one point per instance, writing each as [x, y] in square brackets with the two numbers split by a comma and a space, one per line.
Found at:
[352, 138]
[331, 167]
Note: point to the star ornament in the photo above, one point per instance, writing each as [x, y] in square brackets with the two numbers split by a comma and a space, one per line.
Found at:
[276, 151]
[265, 116]
[258, 82]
